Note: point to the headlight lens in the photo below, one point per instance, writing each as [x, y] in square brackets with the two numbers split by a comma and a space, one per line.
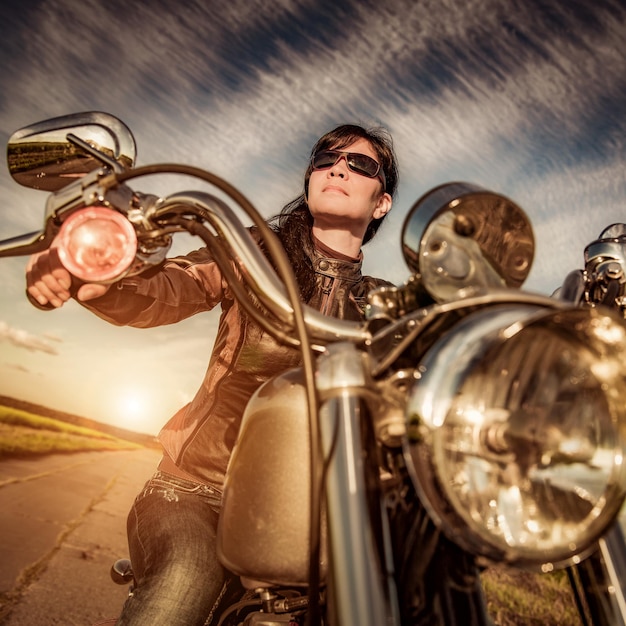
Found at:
[97, 244]
[517, 431]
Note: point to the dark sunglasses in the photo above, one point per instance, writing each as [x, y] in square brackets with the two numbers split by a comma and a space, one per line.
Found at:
[356, 162]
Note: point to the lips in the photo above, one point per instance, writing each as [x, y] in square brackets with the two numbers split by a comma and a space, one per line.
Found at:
[335, 188]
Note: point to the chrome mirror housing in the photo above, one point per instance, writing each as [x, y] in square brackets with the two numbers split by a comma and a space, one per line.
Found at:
[459, 237]
[51, 154]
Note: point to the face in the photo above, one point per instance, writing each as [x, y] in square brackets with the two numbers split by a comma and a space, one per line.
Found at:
[339, 198]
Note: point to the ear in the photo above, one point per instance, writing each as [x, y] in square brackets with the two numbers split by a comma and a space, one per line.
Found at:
[383, 206]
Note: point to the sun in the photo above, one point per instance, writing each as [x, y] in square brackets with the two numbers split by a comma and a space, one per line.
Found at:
[133, 408]
[132, 404]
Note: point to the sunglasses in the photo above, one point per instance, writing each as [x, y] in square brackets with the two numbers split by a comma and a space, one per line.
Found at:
[356, 162]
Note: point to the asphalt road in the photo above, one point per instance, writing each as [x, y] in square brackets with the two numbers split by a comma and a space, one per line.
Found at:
[62, 525]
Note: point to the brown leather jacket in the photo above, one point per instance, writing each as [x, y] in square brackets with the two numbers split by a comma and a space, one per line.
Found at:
[199, 438]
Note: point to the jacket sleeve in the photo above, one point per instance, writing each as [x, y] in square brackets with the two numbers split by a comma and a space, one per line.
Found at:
[181, 287]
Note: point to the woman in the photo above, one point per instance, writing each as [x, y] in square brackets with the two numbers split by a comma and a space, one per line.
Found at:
[348, 190]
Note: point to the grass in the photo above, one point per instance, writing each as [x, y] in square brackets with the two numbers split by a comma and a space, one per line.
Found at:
[520, 598]
[26, 434]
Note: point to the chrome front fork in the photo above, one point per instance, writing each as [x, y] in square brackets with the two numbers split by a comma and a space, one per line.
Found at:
[361, 588]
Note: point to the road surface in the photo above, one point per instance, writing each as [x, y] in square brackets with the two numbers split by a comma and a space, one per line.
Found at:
[62, 525]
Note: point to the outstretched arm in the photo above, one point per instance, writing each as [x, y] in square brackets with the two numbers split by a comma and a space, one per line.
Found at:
[49, 283]
[177, 289]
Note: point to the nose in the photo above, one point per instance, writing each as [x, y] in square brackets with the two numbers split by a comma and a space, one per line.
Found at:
[340, 167]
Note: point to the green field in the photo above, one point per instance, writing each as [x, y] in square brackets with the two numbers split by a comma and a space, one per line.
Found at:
[23, 433]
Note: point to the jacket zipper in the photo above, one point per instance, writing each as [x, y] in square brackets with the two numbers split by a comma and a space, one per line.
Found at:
[328, 289]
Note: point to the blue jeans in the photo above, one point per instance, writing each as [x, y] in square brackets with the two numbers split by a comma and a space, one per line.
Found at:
[172, 539]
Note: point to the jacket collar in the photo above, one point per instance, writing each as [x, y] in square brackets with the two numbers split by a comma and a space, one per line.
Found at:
[337, 268]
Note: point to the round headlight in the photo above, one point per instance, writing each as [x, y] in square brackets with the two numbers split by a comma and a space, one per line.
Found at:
[517, 432]
[97, 244]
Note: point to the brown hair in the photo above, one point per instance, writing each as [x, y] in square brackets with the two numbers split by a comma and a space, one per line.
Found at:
[294, 223]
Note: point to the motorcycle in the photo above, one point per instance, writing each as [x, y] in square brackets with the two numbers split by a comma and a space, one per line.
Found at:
[465, 422]
[599, 582]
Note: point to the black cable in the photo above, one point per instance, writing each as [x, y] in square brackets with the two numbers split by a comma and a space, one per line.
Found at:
[285, 271]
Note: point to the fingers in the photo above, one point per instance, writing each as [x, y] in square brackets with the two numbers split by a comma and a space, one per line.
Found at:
[47, 281]
[91, 291]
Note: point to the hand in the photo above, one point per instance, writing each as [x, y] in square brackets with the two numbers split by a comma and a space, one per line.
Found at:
[48, 282]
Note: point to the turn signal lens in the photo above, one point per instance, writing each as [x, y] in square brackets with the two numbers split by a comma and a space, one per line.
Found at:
[97, 244]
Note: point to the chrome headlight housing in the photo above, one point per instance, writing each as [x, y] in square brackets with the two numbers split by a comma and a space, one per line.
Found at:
[517, 432]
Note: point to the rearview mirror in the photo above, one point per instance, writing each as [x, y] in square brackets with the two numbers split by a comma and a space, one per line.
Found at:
[51, 154]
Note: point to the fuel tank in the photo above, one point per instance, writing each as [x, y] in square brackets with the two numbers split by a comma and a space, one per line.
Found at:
[263, 532]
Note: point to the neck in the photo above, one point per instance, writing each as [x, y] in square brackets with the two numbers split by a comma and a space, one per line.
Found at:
[339, 240]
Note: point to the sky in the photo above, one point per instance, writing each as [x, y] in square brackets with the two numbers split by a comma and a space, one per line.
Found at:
[525, 98]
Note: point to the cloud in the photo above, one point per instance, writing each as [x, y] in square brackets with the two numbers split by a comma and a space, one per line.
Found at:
[23, 339]
[516, 99]
[18, 367]
[524, 98]
[52, 337]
